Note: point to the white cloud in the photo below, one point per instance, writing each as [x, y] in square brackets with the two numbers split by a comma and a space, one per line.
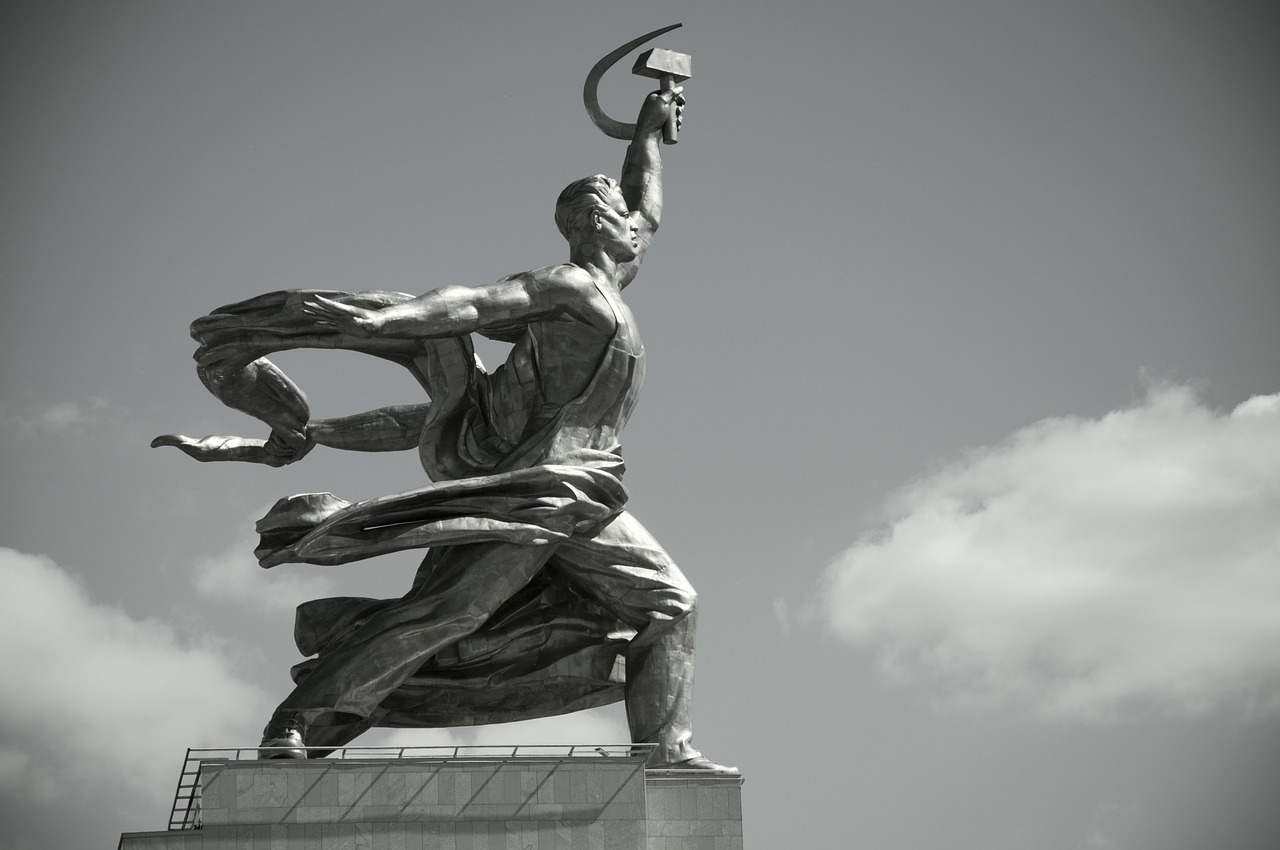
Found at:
[605, 725]
[17, 770]
[1085, 566]
[782, 615]
[234, 574]
[1114, 827]
[92, 696]
[58, 418]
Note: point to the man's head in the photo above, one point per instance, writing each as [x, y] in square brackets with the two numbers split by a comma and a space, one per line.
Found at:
[589, 205]
[580, 198]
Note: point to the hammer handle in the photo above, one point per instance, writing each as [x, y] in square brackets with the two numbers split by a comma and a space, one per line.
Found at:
[669, 130]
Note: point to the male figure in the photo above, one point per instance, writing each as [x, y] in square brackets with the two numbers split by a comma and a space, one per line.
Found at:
[527, 467]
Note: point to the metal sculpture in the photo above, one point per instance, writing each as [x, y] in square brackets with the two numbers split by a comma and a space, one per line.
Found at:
[539, 593]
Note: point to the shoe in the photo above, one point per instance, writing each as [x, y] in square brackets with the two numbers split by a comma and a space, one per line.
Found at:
[700, 765]
[284, 738]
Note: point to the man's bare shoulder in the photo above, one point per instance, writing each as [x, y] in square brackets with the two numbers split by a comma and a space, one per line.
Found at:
[562, 278]
[571, 290]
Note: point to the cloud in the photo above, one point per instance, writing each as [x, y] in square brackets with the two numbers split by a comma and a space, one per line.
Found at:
[782, 615]
[234, 574]
[1085, 567]
[1114, 827]
[94, 697]
[18, 770]
[595, 726]
[57, 418]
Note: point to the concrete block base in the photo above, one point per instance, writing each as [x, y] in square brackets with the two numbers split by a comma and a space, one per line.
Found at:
[500, 803]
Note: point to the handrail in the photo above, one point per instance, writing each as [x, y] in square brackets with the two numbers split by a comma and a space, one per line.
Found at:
[185, 813]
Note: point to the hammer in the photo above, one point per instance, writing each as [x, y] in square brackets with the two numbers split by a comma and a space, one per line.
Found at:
[671, 68]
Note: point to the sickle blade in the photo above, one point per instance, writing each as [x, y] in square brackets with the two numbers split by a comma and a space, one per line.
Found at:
[590, 94]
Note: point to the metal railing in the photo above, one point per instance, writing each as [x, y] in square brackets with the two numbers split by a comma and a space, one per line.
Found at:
[185, 813]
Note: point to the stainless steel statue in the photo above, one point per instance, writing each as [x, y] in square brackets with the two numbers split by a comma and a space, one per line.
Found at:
[539, 594]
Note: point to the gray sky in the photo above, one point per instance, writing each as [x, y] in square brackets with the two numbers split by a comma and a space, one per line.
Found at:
[961, 409]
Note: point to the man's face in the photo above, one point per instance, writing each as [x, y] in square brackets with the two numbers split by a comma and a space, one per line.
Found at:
[616, 229]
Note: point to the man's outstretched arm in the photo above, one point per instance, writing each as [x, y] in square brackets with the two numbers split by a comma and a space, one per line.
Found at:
[458, 310]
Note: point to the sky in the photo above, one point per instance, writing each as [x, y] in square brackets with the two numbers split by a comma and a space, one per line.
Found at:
[962, 409]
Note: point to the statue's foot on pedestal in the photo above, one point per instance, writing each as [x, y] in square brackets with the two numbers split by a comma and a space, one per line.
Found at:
[698, 764]
[283, 738]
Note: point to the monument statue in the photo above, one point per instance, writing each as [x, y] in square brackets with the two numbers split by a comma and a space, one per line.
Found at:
[540, 593]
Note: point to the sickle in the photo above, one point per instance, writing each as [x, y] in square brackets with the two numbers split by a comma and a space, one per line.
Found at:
[591, 98]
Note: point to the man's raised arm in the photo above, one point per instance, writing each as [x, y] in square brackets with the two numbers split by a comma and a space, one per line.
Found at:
[641, 181]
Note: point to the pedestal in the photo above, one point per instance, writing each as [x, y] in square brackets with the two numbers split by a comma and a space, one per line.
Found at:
[470, 803]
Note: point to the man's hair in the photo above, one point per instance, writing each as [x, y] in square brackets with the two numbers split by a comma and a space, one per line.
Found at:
[578, 200]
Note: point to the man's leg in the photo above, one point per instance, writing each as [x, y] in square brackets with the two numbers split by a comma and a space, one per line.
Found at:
[626, 570]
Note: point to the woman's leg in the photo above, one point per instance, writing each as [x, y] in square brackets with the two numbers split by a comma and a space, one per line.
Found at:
[462, 589]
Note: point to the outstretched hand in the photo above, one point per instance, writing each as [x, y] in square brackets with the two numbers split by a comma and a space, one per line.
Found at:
[272, 451]
[656, 110]
[337, 316]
